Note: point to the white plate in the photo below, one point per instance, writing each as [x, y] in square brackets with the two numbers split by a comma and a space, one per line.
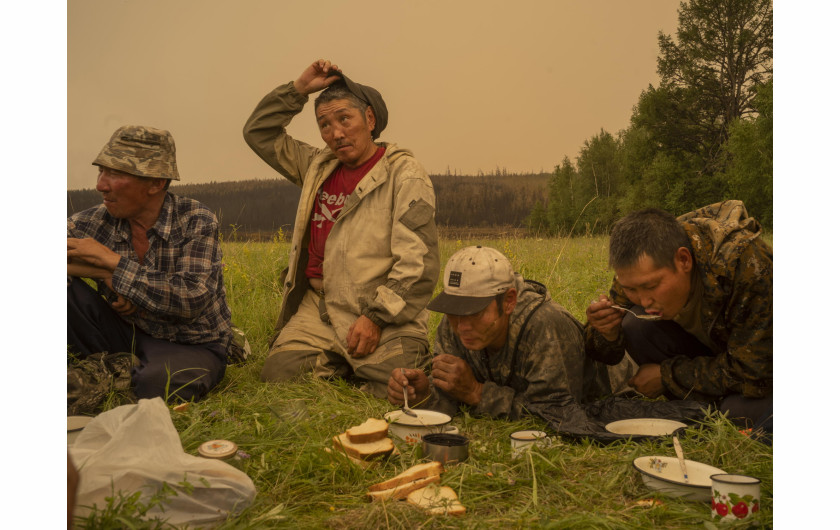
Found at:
[663, 474]
[644, 427]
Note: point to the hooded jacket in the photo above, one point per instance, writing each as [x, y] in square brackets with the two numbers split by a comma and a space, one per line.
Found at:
[381, 256]
[543, 362]
[736, 270]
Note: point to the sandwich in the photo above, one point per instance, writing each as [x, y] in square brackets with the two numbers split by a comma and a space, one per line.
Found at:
[400, 486]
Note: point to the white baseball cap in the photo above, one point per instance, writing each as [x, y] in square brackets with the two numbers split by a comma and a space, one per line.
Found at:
[472, 279]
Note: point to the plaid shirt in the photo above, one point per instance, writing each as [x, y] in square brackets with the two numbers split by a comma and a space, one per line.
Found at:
[179, 290]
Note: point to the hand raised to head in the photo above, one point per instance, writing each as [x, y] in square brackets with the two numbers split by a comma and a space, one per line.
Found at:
[317, 76]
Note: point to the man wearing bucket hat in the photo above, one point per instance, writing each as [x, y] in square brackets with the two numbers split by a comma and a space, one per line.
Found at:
[159, 310]
[504, 346]
[363, 260]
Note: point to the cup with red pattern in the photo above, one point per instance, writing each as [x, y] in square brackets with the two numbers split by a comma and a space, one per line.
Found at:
[735, 497]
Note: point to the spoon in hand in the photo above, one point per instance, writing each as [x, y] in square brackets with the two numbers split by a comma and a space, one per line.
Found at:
[640, 317]
[405, 397]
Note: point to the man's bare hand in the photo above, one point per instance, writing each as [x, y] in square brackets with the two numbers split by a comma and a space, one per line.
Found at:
[318, 76]
[414, 381]
[454, 376]
[648, 380]
[88, 251]
[363, 337]
[605, 319]
[123, 306]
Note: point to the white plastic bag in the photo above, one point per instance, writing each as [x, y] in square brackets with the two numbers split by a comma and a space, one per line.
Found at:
[136, 448]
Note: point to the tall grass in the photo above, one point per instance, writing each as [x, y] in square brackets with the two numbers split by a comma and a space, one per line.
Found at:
[282, 430]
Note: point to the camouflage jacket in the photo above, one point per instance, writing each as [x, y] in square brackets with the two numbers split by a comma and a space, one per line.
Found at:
[543, 361]
[736, 269]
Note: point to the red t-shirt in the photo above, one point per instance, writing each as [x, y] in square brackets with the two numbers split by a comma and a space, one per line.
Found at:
[328, 205]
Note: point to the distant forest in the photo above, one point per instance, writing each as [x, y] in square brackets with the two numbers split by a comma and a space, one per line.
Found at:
[256, 209]
[705, 134]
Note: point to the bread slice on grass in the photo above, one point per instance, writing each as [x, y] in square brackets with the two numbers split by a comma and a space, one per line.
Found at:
[371, 430]
[403, 490]
[437, 500]
[364, 451]
[424, 470]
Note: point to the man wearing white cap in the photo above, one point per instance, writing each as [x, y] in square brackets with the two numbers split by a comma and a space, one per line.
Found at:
[503, 346]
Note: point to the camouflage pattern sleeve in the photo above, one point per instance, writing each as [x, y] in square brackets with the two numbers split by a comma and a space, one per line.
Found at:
[746, 366]
[543, 365]
[548, 369]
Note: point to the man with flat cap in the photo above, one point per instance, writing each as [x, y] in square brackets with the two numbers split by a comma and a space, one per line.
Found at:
[159, 310]
[363, 260]
[503, 348]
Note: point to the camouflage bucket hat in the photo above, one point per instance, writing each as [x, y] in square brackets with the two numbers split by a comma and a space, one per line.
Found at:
[140, 151]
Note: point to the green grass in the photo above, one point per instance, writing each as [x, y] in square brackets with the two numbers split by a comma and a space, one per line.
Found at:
[285, 428]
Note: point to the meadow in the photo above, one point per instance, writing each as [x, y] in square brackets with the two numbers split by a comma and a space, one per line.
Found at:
[282, 430]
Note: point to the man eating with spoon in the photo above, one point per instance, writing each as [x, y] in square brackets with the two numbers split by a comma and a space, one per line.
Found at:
[504, 346]
[708, 276]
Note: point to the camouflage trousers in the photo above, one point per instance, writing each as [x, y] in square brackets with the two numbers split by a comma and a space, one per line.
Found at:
[92, 379]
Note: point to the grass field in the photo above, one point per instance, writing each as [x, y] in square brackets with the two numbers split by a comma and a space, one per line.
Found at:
[569, 485]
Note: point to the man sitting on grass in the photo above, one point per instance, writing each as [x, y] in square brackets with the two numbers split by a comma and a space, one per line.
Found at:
[709, 277]
[159, 310]
[363, 259]
[503, 346]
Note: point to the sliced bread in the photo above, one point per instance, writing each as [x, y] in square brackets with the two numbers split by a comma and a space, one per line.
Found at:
[364, 451]
[424, 470]
[403, 490]
[371, 430]
[437, 500]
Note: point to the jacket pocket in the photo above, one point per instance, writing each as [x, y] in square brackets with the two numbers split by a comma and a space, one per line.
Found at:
[418, 214]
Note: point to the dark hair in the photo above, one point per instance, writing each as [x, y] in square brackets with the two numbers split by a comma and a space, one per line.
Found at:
[339, 90]
[500, 303]
[653, 232]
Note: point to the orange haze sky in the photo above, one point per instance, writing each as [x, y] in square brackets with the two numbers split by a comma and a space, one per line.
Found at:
[470, 85]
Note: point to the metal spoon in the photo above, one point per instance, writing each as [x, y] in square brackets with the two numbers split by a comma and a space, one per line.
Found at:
[405, 409]
[681, 458]
[640, 317]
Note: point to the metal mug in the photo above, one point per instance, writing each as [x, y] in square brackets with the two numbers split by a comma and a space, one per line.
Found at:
[734, 496]
[446, 448]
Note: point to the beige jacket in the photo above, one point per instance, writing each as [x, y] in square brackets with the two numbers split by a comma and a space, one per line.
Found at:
[381, 257]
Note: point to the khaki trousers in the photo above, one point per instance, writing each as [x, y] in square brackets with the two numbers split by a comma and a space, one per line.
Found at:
[307, 344]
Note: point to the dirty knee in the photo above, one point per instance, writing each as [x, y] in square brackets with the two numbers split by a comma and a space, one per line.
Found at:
[283, 366]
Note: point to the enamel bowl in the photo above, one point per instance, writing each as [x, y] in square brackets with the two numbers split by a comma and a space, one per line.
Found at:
[644, 427]
[663, 474]
[411, 429]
